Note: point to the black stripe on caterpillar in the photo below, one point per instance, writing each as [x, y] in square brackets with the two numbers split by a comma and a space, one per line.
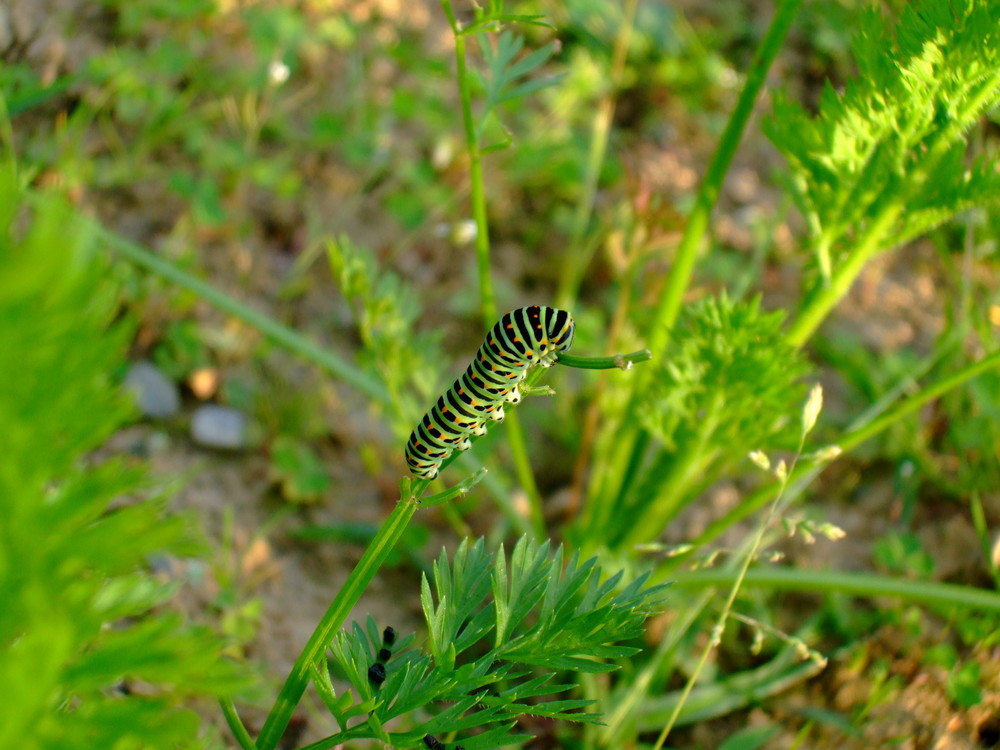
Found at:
[520, 340]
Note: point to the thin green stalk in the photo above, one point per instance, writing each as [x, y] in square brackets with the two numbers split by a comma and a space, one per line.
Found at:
[235, 725]
[359, 579]
[578, 253]
[625, 706]
[696, 230]
[487, 302]
[611, 488]
[619, 361]
[737, 583]
[855, 584]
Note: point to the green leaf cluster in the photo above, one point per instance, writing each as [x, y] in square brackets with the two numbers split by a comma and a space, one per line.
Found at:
[499, 633]
[729, 383]
[890, 149]
[81, 627]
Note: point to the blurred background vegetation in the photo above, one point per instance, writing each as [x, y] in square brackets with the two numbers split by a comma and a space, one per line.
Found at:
[282, 227]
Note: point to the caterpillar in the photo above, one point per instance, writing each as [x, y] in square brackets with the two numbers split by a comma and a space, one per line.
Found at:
[520, 340]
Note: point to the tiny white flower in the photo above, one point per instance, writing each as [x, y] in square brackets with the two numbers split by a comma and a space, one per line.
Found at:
[278, 72]
[464, 232]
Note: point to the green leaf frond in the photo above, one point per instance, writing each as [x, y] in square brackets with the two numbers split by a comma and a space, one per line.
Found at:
[499, 632]
[894, 136]
[508, 73]
[385, 310]
[729, 381]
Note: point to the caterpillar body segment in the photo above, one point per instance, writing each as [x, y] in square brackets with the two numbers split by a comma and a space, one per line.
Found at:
[520, 340]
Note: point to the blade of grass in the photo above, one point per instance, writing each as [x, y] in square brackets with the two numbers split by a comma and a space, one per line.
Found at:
[236, 725]
[855, 584]
[271, 328]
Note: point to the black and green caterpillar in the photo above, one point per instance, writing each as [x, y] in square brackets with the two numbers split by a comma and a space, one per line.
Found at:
[520, 340]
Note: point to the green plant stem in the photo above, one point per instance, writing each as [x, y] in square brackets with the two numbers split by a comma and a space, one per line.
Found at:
[235, 725]
[359, 579]
[689, 466]
[696, 230]
[828, 294]
[619, 361]
[629, 448]
[578, 252]
[487, 302]
[808, 468]
[272, 329]
[856, 584]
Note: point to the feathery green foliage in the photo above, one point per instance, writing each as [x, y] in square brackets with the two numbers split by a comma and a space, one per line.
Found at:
[80, 612]
[887, 159]
[498, 636]
[729, 385]
[386, 312]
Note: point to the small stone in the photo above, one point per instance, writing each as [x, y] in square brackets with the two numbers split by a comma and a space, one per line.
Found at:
[155, 394]
[219, 427]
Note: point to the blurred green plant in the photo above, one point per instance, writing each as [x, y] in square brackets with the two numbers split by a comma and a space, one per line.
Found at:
[386, 311]
[300, 473]
[83, 618]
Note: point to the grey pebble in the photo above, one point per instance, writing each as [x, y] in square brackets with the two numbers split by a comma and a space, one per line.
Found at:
[220, 427]
[155, 394]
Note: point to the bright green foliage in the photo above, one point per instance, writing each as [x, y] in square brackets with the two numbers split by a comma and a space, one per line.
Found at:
[78, 607]
[889, 152]
[728, 378]
[491, 659]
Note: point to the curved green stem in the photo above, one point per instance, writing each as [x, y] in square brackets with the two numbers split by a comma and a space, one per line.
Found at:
[620, 361]
[829, 293]
[708, 192]
[236, 725]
